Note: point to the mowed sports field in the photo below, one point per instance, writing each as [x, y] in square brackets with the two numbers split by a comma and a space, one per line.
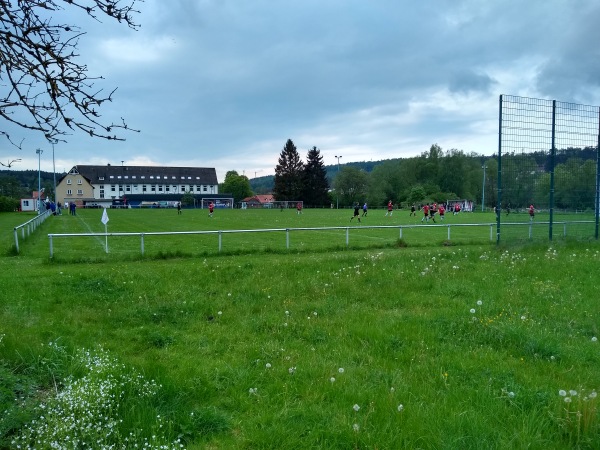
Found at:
[421, 343]
[463, 228]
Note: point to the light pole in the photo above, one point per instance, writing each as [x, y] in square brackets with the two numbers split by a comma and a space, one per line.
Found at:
[484, 167]
[337, 195]
[54, 173]
[39, 153]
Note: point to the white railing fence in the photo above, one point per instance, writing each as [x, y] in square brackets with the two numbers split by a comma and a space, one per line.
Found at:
[30, 226]
[288, 231]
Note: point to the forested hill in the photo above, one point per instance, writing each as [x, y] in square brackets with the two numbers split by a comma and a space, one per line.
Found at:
[264, 185]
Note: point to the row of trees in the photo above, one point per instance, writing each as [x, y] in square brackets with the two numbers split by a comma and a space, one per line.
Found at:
[438, 176]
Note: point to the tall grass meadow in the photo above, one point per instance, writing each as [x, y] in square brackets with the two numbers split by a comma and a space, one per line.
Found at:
[388, 343]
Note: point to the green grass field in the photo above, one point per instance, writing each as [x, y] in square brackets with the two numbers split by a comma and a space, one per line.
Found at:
[382, 344]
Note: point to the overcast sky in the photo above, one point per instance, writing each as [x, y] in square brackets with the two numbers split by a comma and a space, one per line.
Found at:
[224, 83]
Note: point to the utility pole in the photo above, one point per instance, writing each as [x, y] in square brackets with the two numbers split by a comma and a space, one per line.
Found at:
[337, 195]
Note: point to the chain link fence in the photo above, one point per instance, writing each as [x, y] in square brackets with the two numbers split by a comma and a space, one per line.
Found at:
[548, 167]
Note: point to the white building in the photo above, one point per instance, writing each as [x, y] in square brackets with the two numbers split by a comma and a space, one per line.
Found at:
[107, 185]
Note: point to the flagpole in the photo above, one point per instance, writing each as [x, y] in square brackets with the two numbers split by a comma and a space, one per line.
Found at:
[104, 220]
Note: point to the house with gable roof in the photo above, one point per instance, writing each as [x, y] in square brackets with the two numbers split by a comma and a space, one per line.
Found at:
[106, 186]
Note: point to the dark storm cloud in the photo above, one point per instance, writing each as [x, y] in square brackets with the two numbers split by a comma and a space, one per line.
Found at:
[225, 83]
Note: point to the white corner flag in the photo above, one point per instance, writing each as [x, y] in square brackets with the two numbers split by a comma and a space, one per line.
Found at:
[104, 217]
[105, 221]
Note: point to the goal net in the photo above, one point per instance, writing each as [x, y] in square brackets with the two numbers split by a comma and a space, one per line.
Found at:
[217, 202]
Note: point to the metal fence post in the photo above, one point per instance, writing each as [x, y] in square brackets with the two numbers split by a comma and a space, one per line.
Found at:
[347, 236]
[51, 246]
[220, 240]
[448, 232]
[400, 232]
[142, 239]
[17, 240]
[287, 238]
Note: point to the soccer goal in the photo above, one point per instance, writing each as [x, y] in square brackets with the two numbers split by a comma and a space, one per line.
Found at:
[217, 202]
[281, 205]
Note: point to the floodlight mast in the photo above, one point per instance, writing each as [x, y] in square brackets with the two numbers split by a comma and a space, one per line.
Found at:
[337, 195]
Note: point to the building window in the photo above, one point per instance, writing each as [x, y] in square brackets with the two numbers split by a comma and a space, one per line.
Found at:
[112, 188]
[153, 188]
[198, 188]
[101, 178]
[128, 188]
[69, 192]
[101, 193]
[79, 181]
[167, 189]
[160, 188]
[79, 191]
[204, 188]
[144, 188]
[68, 181]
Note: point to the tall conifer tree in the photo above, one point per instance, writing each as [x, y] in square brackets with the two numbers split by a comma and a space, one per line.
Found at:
[289, 174]
[315, 179]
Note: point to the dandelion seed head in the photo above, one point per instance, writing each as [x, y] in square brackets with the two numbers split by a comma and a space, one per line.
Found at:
[341, 370]
[356, 407]
[472, 310]
[400, 407]
[567, 399]
[356, 427]
[268, 365]
[573, 392]
[332, 379]
[562, 393]
[479, 302]
[594, 339]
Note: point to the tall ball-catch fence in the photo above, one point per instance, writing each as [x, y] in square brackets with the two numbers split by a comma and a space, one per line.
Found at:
[548, 162]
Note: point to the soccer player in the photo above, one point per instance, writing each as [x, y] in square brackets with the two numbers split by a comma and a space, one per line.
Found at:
[442, 211]
[531, 212]
[299, 208]
[413, 211]
[211, 208]
[425, 213]
[364, 209]
[356, 213]
[390, 209]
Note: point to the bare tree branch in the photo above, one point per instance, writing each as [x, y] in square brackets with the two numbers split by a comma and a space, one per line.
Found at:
[42, 86]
